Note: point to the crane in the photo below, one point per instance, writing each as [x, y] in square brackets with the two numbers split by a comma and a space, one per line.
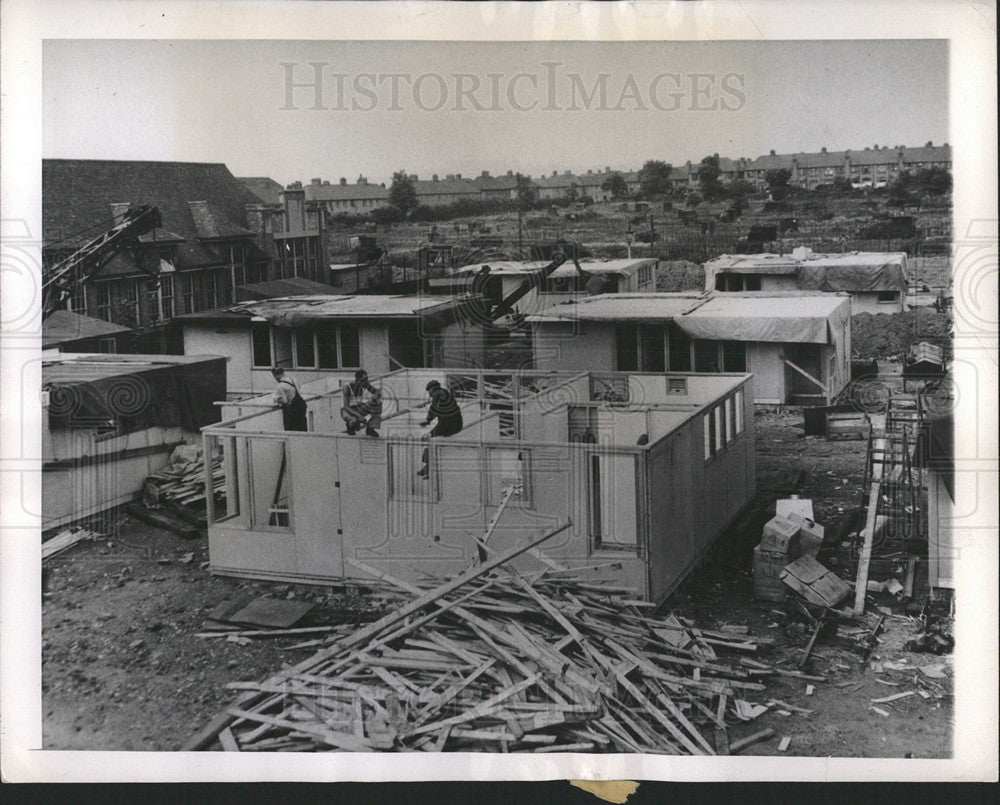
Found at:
[64, 277]
[506, 306]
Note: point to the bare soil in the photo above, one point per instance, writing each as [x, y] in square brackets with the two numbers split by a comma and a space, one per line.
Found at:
[123, 670]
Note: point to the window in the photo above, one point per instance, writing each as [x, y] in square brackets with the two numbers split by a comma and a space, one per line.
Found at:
[626, 348]
[130, 302]
[751, 282]
[887, 297]
[78, 299]
[260, 334]
[612, 501]
[739, 412]
[730, 420]
[734, 357]
[679, 349]
[706, 356]
[506, 467]
[102, 306]
[326, 347]
[107, 346]
[305, 349]
[651, 348]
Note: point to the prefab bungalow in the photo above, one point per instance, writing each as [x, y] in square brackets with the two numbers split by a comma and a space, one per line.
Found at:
[328, 338]
[109, 421]
[876, 281]
[70, 332]
[647, 470]
[563, 284]
[796, 345]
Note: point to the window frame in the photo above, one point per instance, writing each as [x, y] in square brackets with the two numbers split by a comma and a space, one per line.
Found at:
[257, 327]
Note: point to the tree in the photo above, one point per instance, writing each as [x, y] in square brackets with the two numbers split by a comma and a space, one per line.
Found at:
[934, 181]
[654, 178]
[708, 173]
[777, 182]
[387, 215]
[526, 192]
[843, 184]
[616, 185]
[403, 193]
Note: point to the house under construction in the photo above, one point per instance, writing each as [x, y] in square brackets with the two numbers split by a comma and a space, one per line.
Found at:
[647, 468]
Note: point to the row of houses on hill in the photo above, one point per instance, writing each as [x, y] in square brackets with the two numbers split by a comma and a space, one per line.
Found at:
[869, 167]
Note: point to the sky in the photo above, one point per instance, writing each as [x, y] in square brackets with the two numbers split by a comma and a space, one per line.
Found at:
[464, 107]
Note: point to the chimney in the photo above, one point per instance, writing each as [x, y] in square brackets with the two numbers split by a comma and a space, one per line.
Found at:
[315, 182]
[458, 175]
[510, 173]
[772, 152]
[485, 174]
[362, 179]
[434, 177]
[823, 150]
[555, 173]
[607, 169]
[343, 180]
[589, 172]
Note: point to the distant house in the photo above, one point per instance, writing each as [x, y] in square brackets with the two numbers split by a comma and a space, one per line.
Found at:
[216, 236]
[109, 421]
[497, 187]
[71, 332]
[437, 192]
[869, 167]
[558, 185]
[329, 337]
[797, 345]
[357, 198]
[876, 281]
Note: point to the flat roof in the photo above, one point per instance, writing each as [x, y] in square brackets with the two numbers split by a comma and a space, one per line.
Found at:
[328, 306]
[788, 263]
[84, 367]
[567, 269]
[64, 325]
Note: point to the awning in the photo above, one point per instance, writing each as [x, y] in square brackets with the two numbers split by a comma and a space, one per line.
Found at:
[791, 319]
[888, 276]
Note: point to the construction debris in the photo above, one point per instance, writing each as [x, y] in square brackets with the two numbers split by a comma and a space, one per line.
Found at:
[183, 479]
[516, 663]
[815, 583]
[65, 539]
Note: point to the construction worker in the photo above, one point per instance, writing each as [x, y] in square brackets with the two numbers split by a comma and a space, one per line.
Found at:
[287, 397]
[362, 405]
[444, 408]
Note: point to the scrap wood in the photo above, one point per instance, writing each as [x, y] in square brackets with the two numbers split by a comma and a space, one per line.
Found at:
[894, 697]
[743, 743]
[65, 539]
[443, 674]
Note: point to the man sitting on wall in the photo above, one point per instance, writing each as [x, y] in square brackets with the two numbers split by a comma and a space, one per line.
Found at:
[287, 397]
[362, 405]
[444, 408]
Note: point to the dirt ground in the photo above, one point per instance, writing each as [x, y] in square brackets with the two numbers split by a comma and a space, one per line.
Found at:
[123, 670]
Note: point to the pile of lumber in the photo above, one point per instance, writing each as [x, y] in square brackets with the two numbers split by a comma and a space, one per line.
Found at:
[496, 660]
[66, 538]
[184, 483]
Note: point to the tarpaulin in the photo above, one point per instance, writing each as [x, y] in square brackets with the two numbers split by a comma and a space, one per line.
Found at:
[165, 395]
[778, 319]
[888, 276]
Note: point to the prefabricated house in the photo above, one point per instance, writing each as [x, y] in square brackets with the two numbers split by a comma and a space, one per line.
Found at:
[876, 281]
[325, 337]
[796, 345]
[109, 421]
[647, 470]
[70, 332]
[565, 283]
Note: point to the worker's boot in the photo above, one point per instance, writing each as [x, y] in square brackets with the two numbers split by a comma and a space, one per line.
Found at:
[370, 431]
[423, 472]
[351, 430]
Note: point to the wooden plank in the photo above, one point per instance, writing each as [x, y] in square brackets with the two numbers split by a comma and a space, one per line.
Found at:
[228, 741]
[338, 740]
[721, 732]
[894, 697]
[743, 743]
[478, 710]
[432, 596]
[654, 711]
[861, 582]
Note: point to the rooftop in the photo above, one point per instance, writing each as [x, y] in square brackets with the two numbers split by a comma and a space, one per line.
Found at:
[86, 367]
[64, 325]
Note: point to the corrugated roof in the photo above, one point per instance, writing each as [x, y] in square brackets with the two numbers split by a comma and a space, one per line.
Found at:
[63, 326]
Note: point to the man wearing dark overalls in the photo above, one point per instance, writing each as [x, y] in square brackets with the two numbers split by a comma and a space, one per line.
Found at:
[287, 397]
[444, 408]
